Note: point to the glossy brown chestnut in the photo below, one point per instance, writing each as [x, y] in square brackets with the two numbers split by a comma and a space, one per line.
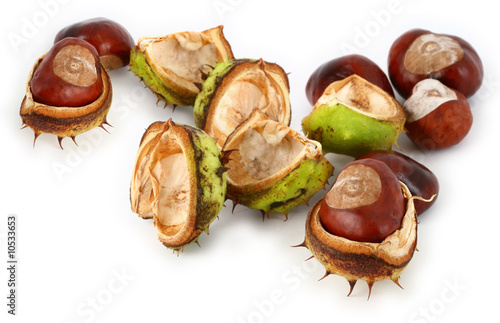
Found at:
[436, 116]
[112, 41]
[420, 54]
[365, 203]
[342, 67]
[69, 75]
[418, 178]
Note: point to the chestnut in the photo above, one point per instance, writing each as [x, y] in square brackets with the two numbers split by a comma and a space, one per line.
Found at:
[418, 178]
[342, 67]
[112, 41]
[436, 116]
[419, 54]
[365, 203]
[69, 75]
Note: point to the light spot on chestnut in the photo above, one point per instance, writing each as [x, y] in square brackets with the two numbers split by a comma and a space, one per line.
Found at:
[430, 53]
[437, 116]
[76, 65]
[427, 95]
[356, 186]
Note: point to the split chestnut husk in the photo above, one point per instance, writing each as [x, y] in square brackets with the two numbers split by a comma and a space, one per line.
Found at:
[271, 167]
[179, 181]
[232, 91]
[174, 66]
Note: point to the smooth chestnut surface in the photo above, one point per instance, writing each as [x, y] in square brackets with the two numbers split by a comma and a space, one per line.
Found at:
[365, 203]
[112, 41]
[419, 54]
[419, 179]
[342, 67]
[69, 75]
[437, 116]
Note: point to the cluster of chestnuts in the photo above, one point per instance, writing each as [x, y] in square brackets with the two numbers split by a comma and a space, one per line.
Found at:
[434, 74]
[365, 227]
[242, 148]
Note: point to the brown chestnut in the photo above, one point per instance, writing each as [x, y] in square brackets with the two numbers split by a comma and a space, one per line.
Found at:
[69, 75]
[418, 178]
[420, 54]
[365, 203]
[436, 115]
[112, 41]
[342, 67]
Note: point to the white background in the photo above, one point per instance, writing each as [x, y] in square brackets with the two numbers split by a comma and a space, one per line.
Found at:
[85, 257]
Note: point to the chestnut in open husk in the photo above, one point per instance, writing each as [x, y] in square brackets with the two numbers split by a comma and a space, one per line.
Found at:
[419, 54]
[112, 41]
[362, 188]
[354, 116]
[68, 91]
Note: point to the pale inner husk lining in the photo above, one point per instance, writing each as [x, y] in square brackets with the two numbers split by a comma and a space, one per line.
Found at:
[265, 151]
[185, 55]
[173, 199]
[251, 90]
[364, 98]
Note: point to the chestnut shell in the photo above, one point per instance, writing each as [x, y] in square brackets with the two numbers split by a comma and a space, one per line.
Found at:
[342, 67]
[419, 179]
[371, 222]
[464, 76]
[50, 89]
[112, 41]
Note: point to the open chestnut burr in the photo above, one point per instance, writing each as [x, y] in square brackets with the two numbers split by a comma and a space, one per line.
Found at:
[365, 227]
[419, 54]
[68, 91]
[111, 40]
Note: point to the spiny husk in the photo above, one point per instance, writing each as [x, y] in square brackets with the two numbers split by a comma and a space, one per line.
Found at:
[366, 261]
[285, 189]
[65, 121]
[166, 83]
[219, 108]
[205, 181]
[372, 119]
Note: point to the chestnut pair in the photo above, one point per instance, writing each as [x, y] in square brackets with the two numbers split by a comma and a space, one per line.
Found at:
[69, 90]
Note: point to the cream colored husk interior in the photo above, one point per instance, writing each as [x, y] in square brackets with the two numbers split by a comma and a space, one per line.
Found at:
[171, 205]
[248, 91]
[263, 150]
[185, 57]
[362, 96]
